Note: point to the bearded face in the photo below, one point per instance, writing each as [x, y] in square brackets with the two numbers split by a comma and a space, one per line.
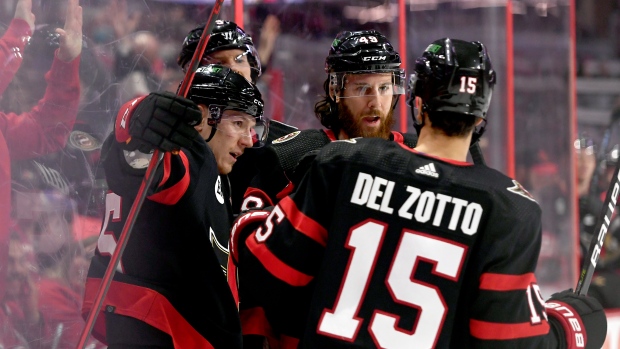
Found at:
[365, 106]
[373, 123]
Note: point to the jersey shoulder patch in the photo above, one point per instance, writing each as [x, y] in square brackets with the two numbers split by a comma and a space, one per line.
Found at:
[291, 148]
[520, 190]
[287, 137]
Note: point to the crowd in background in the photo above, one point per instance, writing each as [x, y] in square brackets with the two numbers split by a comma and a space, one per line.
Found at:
[129, 49]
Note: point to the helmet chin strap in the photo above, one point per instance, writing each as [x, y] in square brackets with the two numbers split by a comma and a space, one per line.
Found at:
[417, 125]
[213, 129]
[394, 102]
[215, 115]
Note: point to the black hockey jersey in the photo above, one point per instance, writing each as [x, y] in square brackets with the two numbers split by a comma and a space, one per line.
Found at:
[247, 166]
[286, 160]
[381, 246]
[169, 275]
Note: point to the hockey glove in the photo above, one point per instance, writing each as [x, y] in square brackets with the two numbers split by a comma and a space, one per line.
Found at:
[160, 120]
[243, 227]
[579, 321]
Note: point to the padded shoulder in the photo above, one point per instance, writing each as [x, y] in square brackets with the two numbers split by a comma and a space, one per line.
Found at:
[279, 129]
[291, 148]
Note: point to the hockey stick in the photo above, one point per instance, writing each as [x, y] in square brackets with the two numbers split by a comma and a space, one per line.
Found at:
[146, 183]
[598, 238]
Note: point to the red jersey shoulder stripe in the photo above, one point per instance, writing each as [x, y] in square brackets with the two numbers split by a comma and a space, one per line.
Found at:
[275, 266]
[286, 191]
[173, 194]
[303, 223]
[146, 305]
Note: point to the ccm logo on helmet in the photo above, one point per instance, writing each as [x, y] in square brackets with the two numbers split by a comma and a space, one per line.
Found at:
[374, 58]
[572, 320]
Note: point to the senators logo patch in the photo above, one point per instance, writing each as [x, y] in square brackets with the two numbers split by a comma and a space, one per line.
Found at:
[288, 137]
[518, 189]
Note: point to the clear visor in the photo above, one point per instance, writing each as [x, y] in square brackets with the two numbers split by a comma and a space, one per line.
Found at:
[238, 124]
[364, 84]
[247, 57]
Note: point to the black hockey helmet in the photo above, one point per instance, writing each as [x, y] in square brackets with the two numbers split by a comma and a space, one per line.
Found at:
[220, 88]
[226, 35]
[363, 52]
[453, 76]
[358, 52]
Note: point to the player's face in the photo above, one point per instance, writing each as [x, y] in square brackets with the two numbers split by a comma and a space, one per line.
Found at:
[235, 59]
[234, 133]
[365, 106]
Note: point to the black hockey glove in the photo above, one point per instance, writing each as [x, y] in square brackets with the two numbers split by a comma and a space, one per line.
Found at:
[577, 320]
[164, 121]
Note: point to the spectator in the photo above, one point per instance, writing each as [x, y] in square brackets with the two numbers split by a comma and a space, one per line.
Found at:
[138, 66]
[21, 299]
[43, 129]
[44, 211]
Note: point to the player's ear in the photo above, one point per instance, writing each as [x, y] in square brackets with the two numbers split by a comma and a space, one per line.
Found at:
[418, 107]
[479, 121]
[205, 115]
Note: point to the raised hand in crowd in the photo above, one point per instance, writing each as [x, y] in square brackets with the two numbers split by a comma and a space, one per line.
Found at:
[23, 11]
[268, 35]
[123, 22]
[71, 34]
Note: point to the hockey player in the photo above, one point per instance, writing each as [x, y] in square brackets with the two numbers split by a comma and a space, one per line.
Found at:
[231, 46]
[169, 290]
[362, 88]
[228, 45]
[386, 246]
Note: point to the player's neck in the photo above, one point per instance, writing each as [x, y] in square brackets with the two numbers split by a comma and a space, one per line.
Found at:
[437, 144]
